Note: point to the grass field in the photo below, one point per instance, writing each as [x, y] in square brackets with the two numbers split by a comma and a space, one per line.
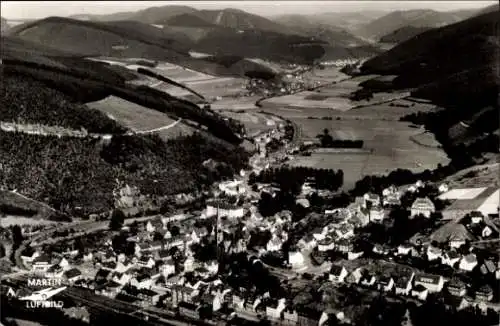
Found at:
[139, 118]
[389, 141]
[9, 220]
[254, 122]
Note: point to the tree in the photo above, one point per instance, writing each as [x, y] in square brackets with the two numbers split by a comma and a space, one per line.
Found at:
[17, 236]
[2, 250]
[117, 220]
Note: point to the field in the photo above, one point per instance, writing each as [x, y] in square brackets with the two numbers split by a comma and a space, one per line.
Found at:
[333, 97]
[236, 104]
[207, 85]
[462, 194]
[254, 122]
[139, 118]
[389, 142]
[9, 220]
[14, 199]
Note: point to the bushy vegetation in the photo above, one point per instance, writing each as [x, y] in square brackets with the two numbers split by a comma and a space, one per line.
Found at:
[293, 178]
[25, 100]
[68, 173]
[83, 88]
[327, 141]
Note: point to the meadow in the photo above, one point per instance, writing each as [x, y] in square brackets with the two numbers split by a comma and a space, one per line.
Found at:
[139, 118]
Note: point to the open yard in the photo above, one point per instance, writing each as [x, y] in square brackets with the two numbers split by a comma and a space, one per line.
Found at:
[139, 118]
[10, 220]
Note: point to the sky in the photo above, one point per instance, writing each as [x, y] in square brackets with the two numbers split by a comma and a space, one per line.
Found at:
[41, 9]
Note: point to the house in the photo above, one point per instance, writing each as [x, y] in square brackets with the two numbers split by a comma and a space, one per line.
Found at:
[142, 281]
[102, 276]
[352, 255]
[404, 249]
[377, 214]
[345, 231]
[156, 245]
[476, 217]
[355, 276]
[73, 275]
[386, 283]
[146, 261]
[468, 262]
[111, 289]
[121, 278]
[149, 227]
[148, 296]
[433, 283]
[433, 253]
[486, 232]
[290, 316]
[380, 250]
[319, 233]
[41, 264]
[420, 292]
[223, 208]
[274, 244]
[110, 265]
[368, 279]
[422, 206]
[55, 271]
[308, 316]
[371, 200]
[326, 244]
[167, 268]
[484, 293]
[488, 267]
[88, 256]
[296, 259]
[64, 263]
[404, 282]
[124, 266]
[308, 242]
[344, 246]
[182, 294]
[274, 309]
[456, 287]
[31, 258]
[451, 258]
[443, 188]
[337, 274]
[390, 191]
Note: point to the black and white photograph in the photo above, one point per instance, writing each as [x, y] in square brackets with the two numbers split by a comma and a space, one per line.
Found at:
[233, 163]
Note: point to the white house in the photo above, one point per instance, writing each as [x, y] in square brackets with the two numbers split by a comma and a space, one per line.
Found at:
[420, 292]
[168, 268]
[476, 217]
[146, 262]
[41, 264]
[326, 244]
[64, 263]
[337, 274]
[274, 244]
[386, 283]
[274, 309]
[404, 250]
[443, 188]
[73, 275]
[422, 206]
[354, 255]
[487, 232]
[456, 241]
[456, 287]
[296, 259]
[434, 253]
[377, 214]
[30, 259]
[224, 209]
[468, 262]
[142, 281]
[356, 275]
[450, 258]
[371, 199]
[368, 279]
[404, 283]
[150, 227]
[433, 283]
